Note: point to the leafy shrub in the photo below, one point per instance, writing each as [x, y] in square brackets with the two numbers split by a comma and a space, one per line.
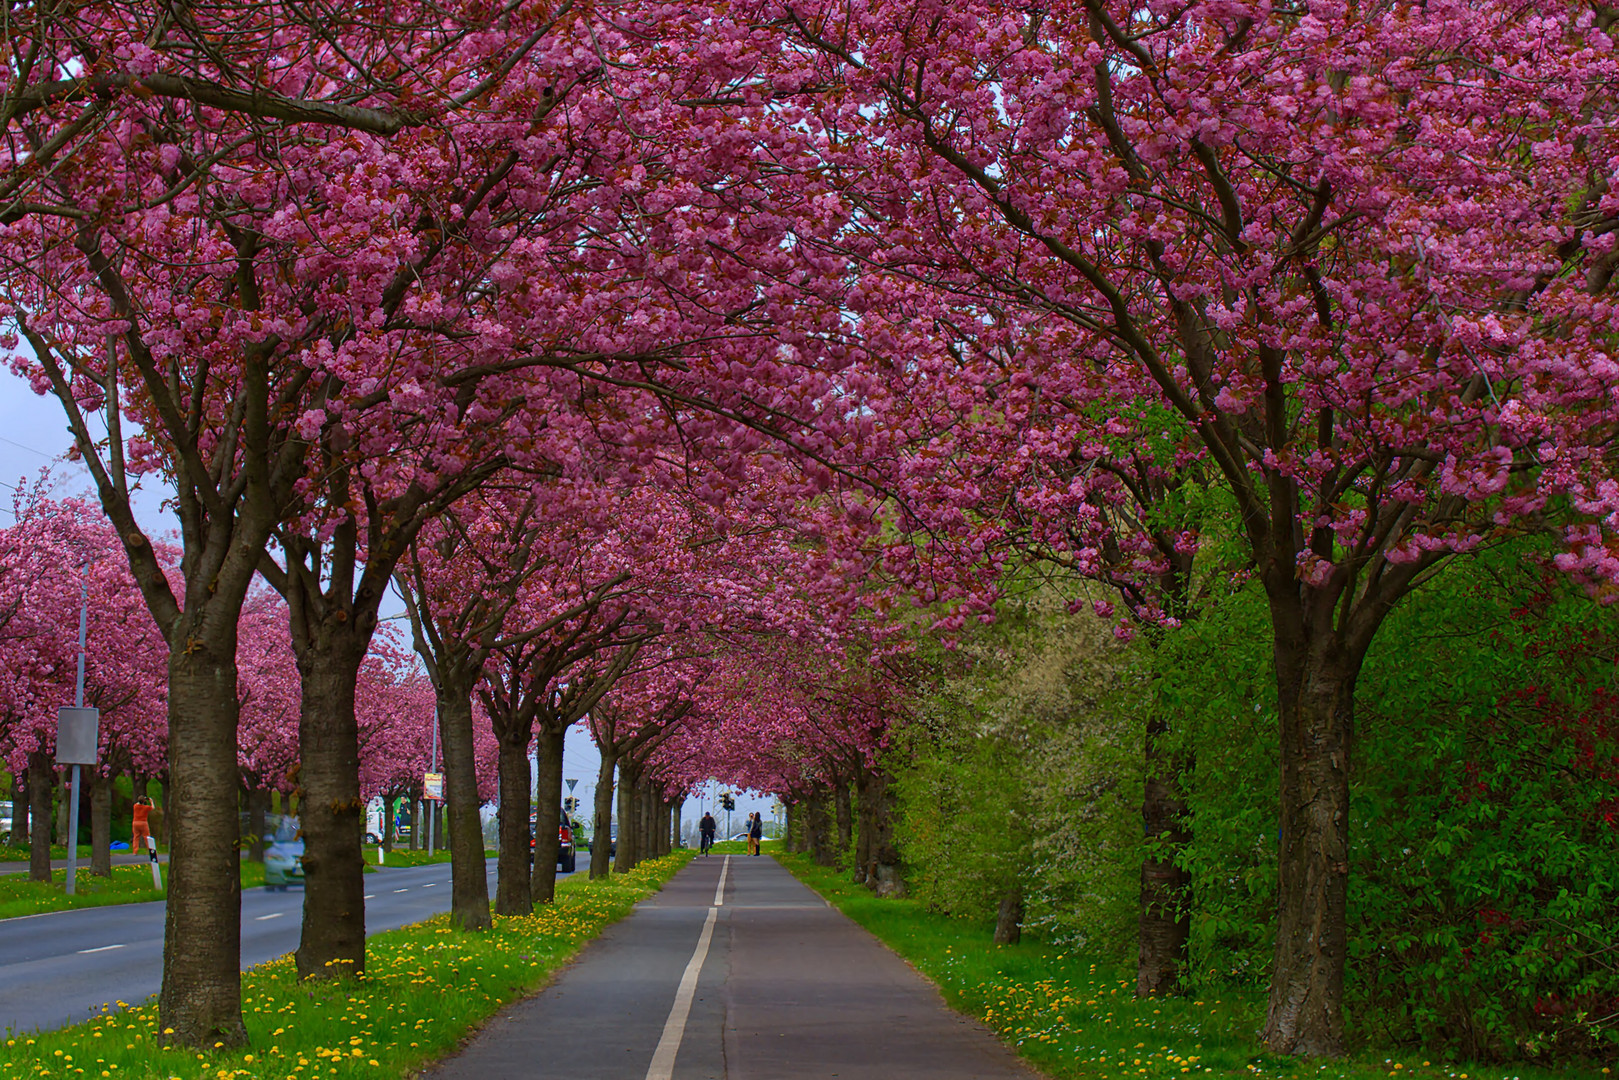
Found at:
[1485, 895]
[1023, 767]
[1484, 886]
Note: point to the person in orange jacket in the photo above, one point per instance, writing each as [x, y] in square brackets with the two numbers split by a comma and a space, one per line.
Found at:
[141, 830]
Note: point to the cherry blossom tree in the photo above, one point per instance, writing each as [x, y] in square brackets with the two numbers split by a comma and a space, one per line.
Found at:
[643, 710]
[1362, 253]
[462, 585]
[60, 560]
[116, 152]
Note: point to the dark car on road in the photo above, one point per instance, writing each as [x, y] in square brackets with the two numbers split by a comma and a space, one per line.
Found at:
[567, 855]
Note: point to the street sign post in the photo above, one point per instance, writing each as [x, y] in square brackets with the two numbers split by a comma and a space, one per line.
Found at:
[78, 738]
[431, 811]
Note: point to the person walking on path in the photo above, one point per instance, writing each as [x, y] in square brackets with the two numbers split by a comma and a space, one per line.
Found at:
[706, 829]
[756, 832]
[140, 829]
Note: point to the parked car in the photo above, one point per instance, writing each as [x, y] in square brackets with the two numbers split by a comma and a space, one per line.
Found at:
[567, 855]
[283, 856]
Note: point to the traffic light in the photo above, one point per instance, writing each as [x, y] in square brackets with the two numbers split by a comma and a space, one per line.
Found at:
[571, 804]
[727, 802]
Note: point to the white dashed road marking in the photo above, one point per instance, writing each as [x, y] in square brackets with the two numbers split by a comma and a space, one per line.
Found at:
[674, 1029]
[719, 891]
[103, 948]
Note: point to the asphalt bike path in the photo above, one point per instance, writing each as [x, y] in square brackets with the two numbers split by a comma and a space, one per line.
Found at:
[61, 967]
[734, 971]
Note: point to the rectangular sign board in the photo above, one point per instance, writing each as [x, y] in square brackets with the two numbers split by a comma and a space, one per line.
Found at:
[77, 736]
[433, 786]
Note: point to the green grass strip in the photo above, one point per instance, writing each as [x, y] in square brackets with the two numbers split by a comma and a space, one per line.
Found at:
[23, 854]
[128, 885]
[406, 857]
[1072, 1017]
[424, 989]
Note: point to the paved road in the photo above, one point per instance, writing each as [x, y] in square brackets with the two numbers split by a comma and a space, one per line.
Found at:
[60, 967]
[752, 978]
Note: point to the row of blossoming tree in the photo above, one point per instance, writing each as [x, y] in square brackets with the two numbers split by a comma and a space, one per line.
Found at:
[58, 561]
[555, 316]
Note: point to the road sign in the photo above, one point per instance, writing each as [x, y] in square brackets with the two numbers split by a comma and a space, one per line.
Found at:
[77, 736]
[433, 786]
[571, 785]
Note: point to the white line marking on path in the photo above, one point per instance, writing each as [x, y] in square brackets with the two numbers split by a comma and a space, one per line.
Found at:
[719, 891]
[401, 890]
[370, 896]
[272, 915]
[430, 884]
[103, 948]
[663, 1059]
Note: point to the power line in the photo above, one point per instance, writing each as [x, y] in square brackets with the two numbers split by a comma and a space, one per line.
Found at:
[30, 449]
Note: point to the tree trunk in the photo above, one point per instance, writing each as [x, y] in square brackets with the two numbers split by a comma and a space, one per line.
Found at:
[387, 824]
[646, 834]
[548, 812]
[602, 837]
[628, 783]
[415, 822]
[845, 816]
[1165, 918]
[791, 839]
[41, 779]
[862, 840]
[675, 822]
[1316, 699]
[164, 784]
[818, 829]
[883, 868]
[1009, 920]
[511, 882]
[332, 817]
[21, 807]
[258, 810]
[201, 998]
[65, 792]
[469, 881]
[100, 821]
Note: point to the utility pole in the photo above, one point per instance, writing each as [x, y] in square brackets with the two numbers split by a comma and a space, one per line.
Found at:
[78, 703]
